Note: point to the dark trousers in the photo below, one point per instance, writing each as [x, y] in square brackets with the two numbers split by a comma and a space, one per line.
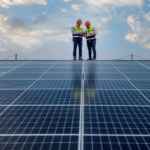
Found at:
[77, 42]
[92, 46]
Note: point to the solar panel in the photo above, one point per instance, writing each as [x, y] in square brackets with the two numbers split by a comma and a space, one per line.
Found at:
[40, 142]
[103, 76]
[108, 84]
[138, 76]
[50, 97]
[3, 70]
[18, 76]
[29, 70]
[141, 84]
[9, 65]
[15, 84]
[8, 96]
[74, 105]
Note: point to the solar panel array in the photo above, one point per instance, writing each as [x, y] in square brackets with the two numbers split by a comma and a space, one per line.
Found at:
[74, 105]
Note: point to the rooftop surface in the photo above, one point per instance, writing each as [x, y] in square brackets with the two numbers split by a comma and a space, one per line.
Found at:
[74, 105]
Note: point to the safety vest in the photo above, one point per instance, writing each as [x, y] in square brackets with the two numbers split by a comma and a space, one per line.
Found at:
[77, 29]
[88, 31]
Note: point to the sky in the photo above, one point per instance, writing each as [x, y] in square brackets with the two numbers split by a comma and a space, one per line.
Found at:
[41, 29]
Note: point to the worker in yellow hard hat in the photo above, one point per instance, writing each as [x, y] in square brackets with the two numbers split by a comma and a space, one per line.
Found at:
[77, 33]
[91, 40]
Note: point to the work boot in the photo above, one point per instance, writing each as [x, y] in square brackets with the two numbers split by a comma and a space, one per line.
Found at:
[94, 58]
[89, 59]
[80, 58]
[75, 58]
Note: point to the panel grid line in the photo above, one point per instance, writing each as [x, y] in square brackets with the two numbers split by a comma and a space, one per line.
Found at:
[80, 143]
[143, 65]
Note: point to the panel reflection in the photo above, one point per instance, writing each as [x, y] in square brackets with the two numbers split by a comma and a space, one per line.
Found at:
[76, 82]
[90, 74]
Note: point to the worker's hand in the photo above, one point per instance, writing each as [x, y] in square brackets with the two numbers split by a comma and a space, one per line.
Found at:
[91, 34]
[84, 35]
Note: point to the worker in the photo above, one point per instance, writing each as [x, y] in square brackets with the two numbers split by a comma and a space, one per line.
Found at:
[77, 33]
[90, 34]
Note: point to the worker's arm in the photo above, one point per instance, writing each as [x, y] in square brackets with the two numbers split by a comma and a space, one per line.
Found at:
[95, 31]
[73, 32]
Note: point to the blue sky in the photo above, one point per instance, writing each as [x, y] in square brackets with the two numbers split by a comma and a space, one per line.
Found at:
[41, 29]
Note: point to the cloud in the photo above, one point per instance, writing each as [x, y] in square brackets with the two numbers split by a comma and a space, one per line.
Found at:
[63, 10]
[66, 0]
[105, 20]
[96, 6]
[43, 32]
[13, 26]
[8, 3]
[147, 16]
[76, 7]
[66, 40]
[139, 34]
[2, 49]
[116, 3]
[142, 12]
[131, 37]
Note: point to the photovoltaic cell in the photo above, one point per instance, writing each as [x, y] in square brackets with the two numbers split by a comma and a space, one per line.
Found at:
[64, 70]
[139, 76]
[108, 84]
[2, 108]
[59, 84]
[102, 76]
[42, 62]
[67, 65]
[2, 70]
[141, 84]
[25, 70]
[116, 120]
[9, 65]
[37, 65]
[64, 76]
[101, 70]
[124, 62]
[18, 76]
[7, 97]
[70, 62]
[116, 142]
[131, 65]
[134, 70]
[98, 65]
[13, 62]
[146, 64]
[39, 143]
[15, 84]
[40, 120]
[146, 93]
[114, 97]
[53, 97]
